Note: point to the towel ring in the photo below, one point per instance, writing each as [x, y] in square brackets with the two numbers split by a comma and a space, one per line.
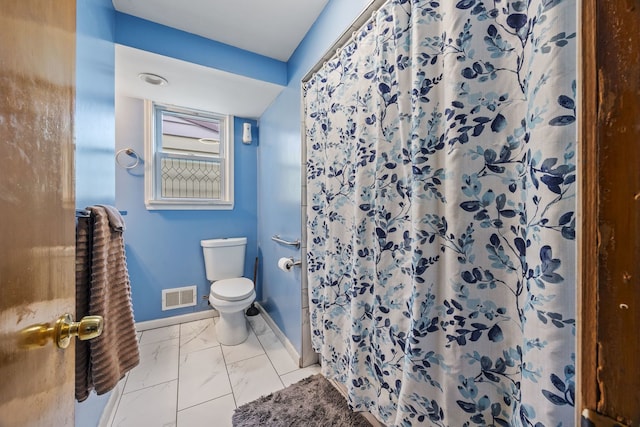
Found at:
[131, 152]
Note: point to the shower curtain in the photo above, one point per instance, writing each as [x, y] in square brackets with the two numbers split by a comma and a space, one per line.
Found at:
[440, 145]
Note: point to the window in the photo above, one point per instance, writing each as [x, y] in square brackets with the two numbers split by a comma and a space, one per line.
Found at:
[189, 159]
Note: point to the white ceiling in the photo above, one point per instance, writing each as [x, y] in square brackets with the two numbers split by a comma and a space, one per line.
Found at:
[272, 28]
[191, 85]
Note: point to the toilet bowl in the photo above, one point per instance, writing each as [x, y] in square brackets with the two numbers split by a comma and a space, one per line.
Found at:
[230, 293]
[231, 297]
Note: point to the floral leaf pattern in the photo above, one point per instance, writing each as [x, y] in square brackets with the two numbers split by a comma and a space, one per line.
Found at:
[441, 180]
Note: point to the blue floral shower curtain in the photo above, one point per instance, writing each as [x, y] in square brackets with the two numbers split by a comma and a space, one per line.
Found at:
[441, 213]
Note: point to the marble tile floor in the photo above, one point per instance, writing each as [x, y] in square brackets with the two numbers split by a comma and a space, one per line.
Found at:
[187, 378]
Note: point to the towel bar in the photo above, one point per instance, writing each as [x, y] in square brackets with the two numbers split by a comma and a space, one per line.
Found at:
[278, 239]
[83, 213]
[130, 152]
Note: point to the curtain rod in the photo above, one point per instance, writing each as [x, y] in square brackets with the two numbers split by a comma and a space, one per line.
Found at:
[362, 18]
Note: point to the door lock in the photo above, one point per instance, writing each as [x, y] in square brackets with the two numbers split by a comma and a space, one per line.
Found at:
[62, 331]
[87, 328]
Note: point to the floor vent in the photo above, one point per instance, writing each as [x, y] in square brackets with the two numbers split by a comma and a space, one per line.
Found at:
[179, 297]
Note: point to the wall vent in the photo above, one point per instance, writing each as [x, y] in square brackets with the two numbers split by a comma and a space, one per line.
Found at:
[179, 297]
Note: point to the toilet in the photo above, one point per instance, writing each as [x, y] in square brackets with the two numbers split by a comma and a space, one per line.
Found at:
[230, 293]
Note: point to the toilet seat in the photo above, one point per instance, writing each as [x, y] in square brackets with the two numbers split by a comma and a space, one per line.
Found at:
[235, 289]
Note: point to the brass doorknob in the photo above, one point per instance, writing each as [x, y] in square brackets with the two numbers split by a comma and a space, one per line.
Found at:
[87, 328]
[63, 329]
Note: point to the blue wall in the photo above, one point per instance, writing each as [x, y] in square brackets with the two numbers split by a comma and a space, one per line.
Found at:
[279, 165]
[94, 132]
[163, 247]
[151, 37]
[95, 120]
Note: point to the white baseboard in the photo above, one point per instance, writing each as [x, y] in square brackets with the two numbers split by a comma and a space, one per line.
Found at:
[281, 336]
[366, 414]
[175, 320]
[109, 412]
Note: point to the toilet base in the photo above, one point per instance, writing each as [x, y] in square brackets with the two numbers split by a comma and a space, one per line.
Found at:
[231, 328]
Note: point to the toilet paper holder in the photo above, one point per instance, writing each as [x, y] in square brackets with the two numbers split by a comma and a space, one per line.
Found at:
[287, 264]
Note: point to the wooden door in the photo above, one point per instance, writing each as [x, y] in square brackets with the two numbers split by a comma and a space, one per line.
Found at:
[37, 273]
[609, 382]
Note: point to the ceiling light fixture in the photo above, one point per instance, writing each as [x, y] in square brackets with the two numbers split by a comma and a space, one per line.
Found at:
[153, 79]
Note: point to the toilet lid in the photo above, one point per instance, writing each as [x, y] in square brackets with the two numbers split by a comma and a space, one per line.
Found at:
[232, 289]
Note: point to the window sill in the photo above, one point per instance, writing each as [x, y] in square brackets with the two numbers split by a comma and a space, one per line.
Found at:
[156, 205]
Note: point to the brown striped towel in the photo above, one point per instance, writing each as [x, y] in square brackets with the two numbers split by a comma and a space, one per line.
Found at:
[103, 289]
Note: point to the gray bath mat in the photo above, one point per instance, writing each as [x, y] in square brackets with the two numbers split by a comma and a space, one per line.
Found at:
[310, 402]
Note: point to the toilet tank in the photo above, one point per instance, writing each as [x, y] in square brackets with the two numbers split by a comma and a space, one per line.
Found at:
[224, 258]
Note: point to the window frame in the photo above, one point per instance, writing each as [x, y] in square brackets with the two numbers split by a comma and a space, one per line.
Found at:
[154, 154]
